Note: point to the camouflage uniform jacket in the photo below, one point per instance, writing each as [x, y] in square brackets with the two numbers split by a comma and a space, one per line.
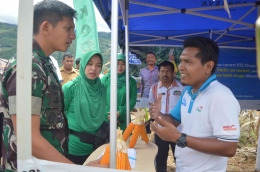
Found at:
[47, 102]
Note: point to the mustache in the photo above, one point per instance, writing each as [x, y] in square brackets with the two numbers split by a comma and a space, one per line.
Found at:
[165, 77]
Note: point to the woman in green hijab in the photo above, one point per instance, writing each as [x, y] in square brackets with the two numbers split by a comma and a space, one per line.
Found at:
[85, 106]
[121, 92]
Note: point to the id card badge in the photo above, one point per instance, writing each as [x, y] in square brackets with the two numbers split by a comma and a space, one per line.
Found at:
[177, 93]
[163, 94]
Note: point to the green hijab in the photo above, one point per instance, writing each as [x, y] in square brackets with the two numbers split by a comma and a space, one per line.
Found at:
[90, 97]
[120, 77]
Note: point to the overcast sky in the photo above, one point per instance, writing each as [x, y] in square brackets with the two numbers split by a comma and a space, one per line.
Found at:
[9, 13]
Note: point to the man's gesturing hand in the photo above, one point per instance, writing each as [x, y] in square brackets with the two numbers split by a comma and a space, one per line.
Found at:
[155, 107]
[166, 131]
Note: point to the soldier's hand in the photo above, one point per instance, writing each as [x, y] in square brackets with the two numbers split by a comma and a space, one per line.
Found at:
[117, 114]
[155, 108]
[96, 163]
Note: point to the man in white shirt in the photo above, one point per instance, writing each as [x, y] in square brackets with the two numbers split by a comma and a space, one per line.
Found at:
[56, 65]
[207, 112]
[171, 90]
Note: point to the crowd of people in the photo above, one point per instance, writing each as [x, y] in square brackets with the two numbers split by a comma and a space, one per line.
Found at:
[70, 110]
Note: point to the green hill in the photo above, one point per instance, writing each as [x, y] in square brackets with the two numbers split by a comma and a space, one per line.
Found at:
[8, 46]
[8, 36]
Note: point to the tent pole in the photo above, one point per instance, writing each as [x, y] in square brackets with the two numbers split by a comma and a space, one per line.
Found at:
[176, 45]
[121, 50]
[127, 61]
[257, 165]
[113, 83]
[234, 24]
[169, 10]
[23, 79]
[241, 40]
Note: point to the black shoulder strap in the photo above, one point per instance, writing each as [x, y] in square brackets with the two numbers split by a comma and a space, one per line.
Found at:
[84, 136]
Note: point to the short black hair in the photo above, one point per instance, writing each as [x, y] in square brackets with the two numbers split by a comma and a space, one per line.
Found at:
[52, 11]
[69, 55]
[166, 63]
[208, 49]
[78, 60]
[150, 52]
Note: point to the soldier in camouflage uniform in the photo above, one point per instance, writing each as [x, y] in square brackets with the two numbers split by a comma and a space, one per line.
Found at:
[53, 31]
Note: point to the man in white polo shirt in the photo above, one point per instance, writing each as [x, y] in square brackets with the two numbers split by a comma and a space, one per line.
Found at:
[171, 90]
[207, 112]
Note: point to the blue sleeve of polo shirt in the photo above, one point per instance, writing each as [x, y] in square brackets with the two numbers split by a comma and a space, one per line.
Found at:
[176, 111]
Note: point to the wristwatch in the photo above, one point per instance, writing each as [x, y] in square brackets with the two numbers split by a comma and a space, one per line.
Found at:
[181, 142]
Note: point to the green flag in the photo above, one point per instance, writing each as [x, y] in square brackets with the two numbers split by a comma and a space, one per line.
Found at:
[86, 28]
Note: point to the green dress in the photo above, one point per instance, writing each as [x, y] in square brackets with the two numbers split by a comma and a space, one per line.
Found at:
[121, 95]
[84, 106]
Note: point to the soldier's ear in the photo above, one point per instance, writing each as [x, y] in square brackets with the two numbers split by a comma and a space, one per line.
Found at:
[45, 28]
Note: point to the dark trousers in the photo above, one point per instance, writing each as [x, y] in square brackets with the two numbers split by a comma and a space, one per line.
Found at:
[78, 159]
[162, 155]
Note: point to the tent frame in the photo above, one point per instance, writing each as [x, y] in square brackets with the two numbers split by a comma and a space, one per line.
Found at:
[24, 74]
[192, 11]
[195, 12]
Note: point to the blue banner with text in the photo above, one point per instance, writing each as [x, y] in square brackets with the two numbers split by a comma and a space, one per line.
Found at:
[237, 70]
